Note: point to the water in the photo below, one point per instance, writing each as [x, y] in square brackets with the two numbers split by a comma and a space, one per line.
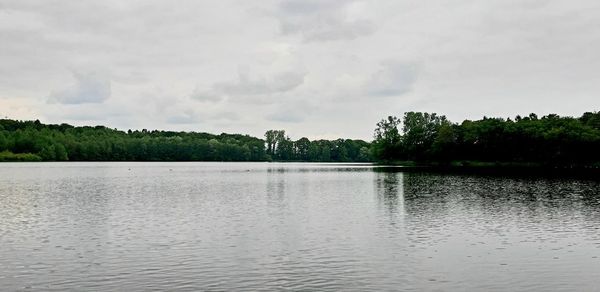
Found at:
[261, 226]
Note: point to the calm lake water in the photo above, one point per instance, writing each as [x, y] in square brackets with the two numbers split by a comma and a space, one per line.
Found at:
[270, 226]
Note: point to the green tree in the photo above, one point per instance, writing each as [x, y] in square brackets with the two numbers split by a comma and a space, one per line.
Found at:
[270, 139]
[48, 153]
[364, 155]
[444, 143]
[285, 147]
[302, 146]
[3, 141]
[387, 143]
[420, 131]
[60, 153]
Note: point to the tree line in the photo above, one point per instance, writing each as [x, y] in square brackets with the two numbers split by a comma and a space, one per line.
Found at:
[34, 141]
[281, 147]
[429, 138]
[417, 137]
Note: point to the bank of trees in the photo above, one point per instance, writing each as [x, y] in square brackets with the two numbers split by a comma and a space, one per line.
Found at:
[280, 147]
[549, 140]
[34, 141]
[66, 142]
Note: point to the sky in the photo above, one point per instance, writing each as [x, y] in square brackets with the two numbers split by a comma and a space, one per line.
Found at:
[319, 69]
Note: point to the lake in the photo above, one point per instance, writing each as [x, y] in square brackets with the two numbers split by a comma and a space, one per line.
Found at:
[293, 226]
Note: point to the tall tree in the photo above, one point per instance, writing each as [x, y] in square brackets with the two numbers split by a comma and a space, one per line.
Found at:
[420, 131]
[387, 143]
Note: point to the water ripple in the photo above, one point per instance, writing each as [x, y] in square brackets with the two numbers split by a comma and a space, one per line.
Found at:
[315, 227]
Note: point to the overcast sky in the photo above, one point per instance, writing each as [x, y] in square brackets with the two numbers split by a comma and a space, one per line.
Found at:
[321, 69]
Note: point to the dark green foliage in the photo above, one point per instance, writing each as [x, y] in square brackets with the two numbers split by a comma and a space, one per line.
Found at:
[420, 132]
[551, 140]
[65, 142]
[387, 145]
[34, 141]
[281, 148]
[3, 141]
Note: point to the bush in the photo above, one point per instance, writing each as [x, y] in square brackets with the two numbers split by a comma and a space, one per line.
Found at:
[9, 156]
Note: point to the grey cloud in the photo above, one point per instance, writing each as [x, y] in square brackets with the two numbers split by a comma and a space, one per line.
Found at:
[287, 116]
[206, 95]
[322, 20]
[226, 116]
[391, 79]
[260, 87]
[500, 57]
[185, 117]
[323, 29]
[301, 7]
[286, 81]
[195, 116]
[131, 78]
[92, 87]
[292, 112]
[280, 82]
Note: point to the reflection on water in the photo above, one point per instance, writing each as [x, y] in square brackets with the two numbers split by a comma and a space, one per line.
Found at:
[389, 189]
[260, 226]
[498, 232]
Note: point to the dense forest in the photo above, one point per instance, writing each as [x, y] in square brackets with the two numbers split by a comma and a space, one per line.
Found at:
[34, 141]
[429, 138]
[417, 138]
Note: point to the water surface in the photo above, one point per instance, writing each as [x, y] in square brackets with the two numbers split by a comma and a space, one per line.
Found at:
[269, 226]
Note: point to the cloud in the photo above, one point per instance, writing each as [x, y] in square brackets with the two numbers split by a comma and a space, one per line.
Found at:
[292, 112]
[90, 87]
[392, 79]
[287, 116]
[324, 20]
[206, 95]
[388, 78]
[185, 117]
[246, 86]
[499, 57]
[225, 116]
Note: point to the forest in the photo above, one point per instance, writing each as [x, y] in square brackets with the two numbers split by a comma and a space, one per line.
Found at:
[431, 139]
[34, 141]
[417, 138]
